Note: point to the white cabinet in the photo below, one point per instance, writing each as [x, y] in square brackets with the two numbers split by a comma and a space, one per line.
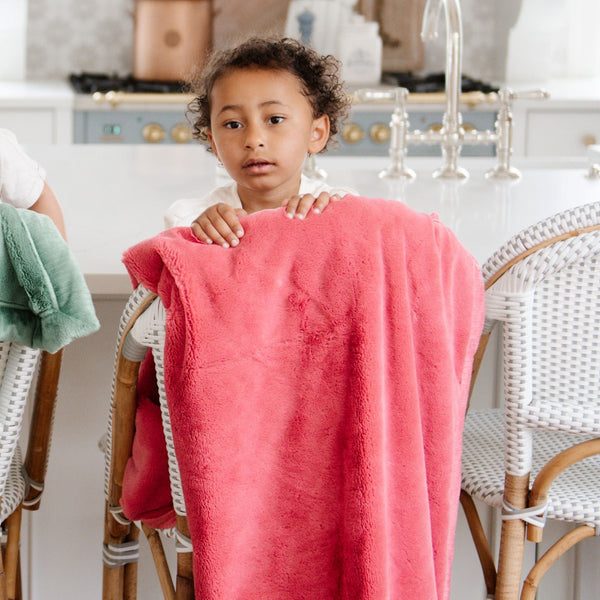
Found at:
[561, 132]
[37, 112]
[563, 125]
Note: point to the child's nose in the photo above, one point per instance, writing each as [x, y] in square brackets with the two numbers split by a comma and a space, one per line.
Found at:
[254, 136]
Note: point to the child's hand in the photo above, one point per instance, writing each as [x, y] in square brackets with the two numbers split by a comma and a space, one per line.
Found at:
[298, 206]
[220, 224]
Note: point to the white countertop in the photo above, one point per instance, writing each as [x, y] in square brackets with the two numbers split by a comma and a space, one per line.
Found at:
[26, 93]
[114, 197]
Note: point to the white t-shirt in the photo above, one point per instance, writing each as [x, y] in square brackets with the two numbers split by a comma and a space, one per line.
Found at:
[21, 178]
[185, 211]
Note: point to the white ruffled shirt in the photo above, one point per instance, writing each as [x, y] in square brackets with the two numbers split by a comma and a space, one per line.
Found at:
[21, 178]
[185, 211]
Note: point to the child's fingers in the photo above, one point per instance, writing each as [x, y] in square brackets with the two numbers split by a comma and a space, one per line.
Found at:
[322, 202]
[207, 233]
[298, 206]
[219, 224]
[229, 221]
[291, 204]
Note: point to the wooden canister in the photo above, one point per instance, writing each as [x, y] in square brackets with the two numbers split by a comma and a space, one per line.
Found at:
[171, 38]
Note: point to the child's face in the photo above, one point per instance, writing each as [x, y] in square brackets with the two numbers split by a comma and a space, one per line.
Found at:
[262, 128]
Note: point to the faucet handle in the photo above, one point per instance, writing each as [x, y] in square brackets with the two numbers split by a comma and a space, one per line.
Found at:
[507, 95]
[397, 95]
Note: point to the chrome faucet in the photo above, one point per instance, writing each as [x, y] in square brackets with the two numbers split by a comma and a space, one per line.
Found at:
[452, 132]
[452, 135]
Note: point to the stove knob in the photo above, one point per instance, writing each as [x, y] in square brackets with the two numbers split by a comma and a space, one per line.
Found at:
[379, 133]
[181, 133]
[153, 133]
[352, 133]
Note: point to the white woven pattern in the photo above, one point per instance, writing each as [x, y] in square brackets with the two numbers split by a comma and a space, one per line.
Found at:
[17, 370]
[14, 487]
[580, 217]
[575, 494]
[547, 342]
[548, 305]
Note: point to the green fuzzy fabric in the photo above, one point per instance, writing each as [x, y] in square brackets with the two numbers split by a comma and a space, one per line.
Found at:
[44, 300]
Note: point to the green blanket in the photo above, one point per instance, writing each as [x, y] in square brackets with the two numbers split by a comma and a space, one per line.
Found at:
[44, 300]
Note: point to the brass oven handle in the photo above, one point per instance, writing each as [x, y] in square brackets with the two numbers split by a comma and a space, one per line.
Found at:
[115, 98]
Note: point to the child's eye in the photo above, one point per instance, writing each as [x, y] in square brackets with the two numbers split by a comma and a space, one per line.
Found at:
[275, 119]
[233, 124]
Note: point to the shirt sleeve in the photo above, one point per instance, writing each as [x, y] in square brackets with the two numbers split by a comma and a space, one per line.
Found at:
[21, 178]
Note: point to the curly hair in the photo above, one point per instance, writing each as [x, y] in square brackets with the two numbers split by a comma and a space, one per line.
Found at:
[317, 74]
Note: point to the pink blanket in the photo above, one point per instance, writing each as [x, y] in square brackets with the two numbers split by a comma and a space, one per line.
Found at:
[317, 378]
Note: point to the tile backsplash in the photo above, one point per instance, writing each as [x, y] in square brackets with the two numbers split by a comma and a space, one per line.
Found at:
[66, 36]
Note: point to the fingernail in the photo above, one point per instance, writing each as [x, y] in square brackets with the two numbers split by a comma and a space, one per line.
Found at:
[225, 245]
[239, 233]
[316, 210]
[234, 243]
[289, 215]
[300, 216]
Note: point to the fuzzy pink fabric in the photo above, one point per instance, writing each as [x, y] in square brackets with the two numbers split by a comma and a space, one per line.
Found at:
[317, 378]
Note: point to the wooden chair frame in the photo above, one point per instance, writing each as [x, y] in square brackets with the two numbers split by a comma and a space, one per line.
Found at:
[34, 470]
[120, 534]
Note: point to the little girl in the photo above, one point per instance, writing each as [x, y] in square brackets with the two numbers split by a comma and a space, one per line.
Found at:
[263, 107]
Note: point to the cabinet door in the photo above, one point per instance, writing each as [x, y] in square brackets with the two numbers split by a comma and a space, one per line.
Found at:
[561, 132]
[31, 126]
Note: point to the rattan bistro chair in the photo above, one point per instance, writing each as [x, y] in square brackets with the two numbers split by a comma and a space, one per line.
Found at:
[142, 326]
[22, 482]
[538, 457]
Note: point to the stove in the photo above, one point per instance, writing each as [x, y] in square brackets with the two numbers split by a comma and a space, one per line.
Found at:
[123, 110]
[90, 83]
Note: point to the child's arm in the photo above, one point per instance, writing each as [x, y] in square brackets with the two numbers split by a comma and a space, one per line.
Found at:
[220, 223]
[47, 204]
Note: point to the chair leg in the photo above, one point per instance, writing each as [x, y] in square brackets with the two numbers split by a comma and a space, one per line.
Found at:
[2, 575]
[566, 542]
[185, 566]
[131, 570]
[481, 543]
[160, 562]
[11, 563]
[512, 540]
[119, 582]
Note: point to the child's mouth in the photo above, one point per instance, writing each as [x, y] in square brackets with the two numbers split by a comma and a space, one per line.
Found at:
[257, 164]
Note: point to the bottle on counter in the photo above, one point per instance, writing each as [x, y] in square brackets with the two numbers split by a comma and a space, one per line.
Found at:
[359, 49]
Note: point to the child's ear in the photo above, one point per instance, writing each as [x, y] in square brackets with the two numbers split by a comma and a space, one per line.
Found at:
[212, 143]
[319, 134]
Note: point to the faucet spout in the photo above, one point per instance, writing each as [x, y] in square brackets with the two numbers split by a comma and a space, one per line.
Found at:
[431, 18]
[452, 125]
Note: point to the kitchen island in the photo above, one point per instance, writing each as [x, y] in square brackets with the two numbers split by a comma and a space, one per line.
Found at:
[114, 197]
